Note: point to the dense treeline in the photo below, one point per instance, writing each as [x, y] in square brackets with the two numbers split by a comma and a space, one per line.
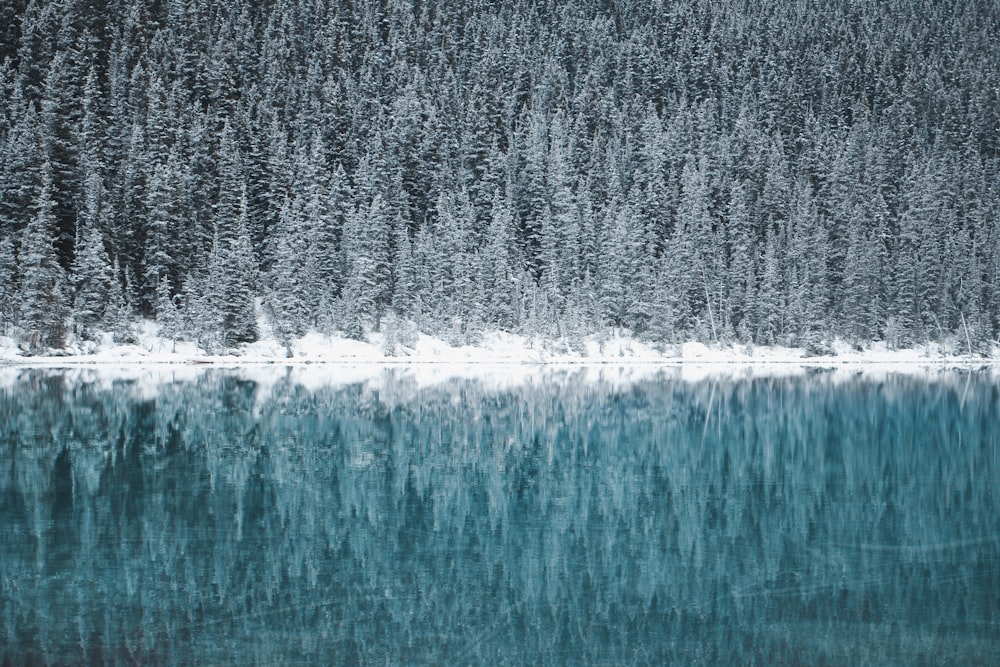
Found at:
[765, 521]
[724, 170]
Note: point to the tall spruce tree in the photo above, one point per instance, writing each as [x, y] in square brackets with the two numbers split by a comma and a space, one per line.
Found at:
[238, 286]
[92, 275]
[8, 285]
[42, 296]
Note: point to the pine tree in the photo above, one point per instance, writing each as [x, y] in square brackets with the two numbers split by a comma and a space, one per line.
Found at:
[238, 286]
[771, 298]
[202, 312]
[42, 295]
[168, 316]
[806, 279]
[286, 299]
[8, 285]
[742, 284]
[405, 299]
[323, 210]
[531, 194]
[499, 266]
[651, 193]
[560, 226]
[129, 214]
[60, 114]
[21, 154]
[118, 313]
[161, 225]
[693, 252]
[614, 263]
[92, 275]
[366, 251]
[862, 306]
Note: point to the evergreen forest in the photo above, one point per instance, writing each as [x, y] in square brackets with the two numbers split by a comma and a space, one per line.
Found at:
[728, 171]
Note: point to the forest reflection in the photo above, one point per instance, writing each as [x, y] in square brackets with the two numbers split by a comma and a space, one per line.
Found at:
[769, 521]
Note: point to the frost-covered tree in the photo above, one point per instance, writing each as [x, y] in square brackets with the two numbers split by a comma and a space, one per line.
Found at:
[500, 269]
[92, 275]
[20, 165]
[366, 263]
[118, 312]
[238, 283]
[286, 298]
[8, 285]
[162, 222]
[42, 295]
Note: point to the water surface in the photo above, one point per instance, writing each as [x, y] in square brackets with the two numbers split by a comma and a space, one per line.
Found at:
[221, 520]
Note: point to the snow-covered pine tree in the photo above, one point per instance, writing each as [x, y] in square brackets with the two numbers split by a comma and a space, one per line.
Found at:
[771, 297]
[42, 294]
[650, 191]
[807, 281]
[742, 293]
[322, 227]
[499, 266]
[238, 286]
[561, 249]
[613, 264]
[531, 195]
[405, 296]
[366, 260]
[8, 285]
[20, 165]
[863, 302]
[161, 225]
[285, 300]
[92, 275]
[118, 312]
[60, 113]
[91, 271]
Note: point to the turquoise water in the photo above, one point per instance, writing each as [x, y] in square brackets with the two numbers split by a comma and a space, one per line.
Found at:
[809, 520]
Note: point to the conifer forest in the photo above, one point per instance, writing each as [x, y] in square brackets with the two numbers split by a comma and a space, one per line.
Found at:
[726, 171]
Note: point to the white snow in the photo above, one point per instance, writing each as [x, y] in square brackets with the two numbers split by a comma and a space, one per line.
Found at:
[498, 360]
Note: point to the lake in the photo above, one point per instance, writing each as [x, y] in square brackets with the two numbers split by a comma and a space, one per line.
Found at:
[560, 519]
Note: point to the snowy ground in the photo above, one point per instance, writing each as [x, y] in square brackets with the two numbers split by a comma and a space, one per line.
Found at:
[499, 359]
[494, 348]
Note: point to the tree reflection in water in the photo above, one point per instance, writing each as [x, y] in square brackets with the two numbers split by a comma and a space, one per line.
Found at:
[761, 521]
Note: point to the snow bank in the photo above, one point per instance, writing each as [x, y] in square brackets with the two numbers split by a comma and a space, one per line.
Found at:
[501, 357]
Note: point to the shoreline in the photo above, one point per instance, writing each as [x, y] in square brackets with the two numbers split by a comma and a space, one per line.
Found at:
[492, 351]
[396, 374]
[235, 362]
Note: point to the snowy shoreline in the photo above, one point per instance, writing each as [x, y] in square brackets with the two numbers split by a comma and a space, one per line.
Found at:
[499, 362]
[492, 349]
